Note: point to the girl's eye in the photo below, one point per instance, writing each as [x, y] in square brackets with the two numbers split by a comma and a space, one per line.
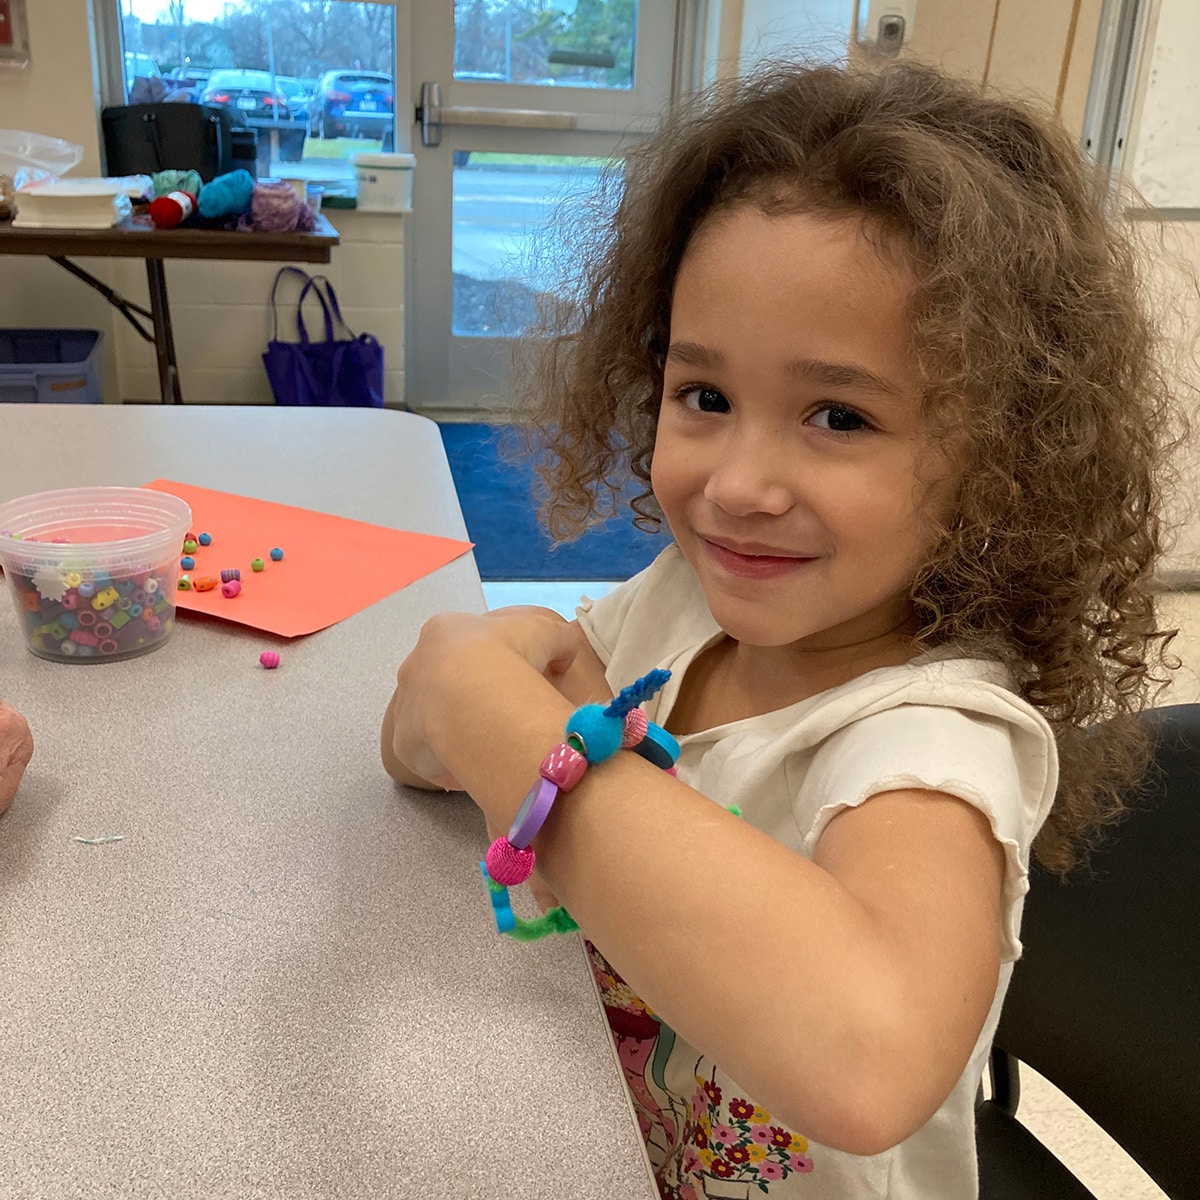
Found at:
[837, 419]
[704, 399]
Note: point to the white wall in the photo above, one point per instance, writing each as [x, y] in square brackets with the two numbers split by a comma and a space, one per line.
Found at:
[795, 28]
[1166, 151]
[55, 95]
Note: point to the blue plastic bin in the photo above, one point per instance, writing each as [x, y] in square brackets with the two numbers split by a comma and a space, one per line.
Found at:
[50, 366]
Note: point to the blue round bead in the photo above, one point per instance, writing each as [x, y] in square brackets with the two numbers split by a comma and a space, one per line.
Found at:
[276, 554]
[187, 562]
[658, 747]
[205, 539]
[601, 735]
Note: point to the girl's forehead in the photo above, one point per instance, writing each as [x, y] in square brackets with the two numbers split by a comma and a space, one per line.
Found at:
[890, 245]
[819, 265]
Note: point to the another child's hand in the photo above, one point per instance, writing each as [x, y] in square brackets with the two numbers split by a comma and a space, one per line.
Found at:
[16, 749]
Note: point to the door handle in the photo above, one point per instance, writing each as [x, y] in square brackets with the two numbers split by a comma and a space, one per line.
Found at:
[432, 116]
[429, 114]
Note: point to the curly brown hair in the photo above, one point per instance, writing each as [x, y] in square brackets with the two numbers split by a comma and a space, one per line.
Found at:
[1036, 344]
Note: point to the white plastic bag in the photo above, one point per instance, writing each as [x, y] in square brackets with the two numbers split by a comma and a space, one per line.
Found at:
[28, 158]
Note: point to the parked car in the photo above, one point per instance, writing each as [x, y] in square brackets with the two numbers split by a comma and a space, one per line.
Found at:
[297, 93]
[189, 77]
[353, 104]
[139, 66]
[263, 107]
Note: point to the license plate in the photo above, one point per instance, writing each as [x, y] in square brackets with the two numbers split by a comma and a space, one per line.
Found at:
[368, 106]
[247, 102]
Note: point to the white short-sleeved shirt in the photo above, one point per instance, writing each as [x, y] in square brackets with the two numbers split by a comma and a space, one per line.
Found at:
[942, 723]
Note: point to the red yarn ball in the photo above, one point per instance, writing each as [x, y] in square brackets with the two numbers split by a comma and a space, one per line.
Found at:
[172, 209]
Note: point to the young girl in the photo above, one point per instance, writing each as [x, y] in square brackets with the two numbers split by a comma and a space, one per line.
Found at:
[881, 364]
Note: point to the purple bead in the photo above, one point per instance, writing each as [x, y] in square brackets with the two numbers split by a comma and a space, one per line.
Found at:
[532, 813]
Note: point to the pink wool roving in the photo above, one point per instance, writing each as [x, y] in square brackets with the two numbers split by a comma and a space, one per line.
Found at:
[274, 208]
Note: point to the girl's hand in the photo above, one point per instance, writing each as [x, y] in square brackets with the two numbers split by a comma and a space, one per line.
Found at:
[459, 653]
[16, 749]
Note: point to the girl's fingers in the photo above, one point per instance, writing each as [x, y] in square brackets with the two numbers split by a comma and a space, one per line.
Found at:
[16, 749]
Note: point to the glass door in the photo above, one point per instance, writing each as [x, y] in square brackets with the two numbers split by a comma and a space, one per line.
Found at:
[520, 105]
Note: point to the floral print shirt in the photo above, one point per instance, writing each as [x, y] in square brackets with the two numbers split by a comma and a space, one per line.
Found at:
[693, 1128]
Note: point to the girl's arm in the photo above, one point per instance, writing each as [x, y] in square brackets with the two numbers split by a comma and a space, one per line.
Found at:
[845, 994]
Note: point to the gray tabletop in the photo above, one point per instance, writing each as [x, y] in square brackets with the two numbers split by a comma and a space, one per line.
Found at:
[283, 981]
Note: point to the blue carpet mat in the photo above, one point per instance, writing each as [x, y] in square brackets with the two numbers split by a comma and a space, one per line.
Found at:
[498, 507]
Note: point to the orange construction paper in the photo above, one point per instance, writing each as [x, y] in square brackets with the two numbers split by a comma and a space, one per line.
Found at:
[332, 567]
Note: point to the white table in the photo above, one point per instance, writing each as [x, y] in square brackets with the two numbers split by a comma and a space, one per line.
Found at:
[284, 981]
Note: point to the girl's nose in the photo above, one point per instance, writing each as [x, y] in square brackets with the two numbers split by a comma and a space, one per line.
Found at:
[749, 475]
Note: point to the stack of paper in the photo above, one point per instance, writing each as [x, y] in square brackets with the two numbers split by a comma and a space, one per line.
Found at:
[79, 203]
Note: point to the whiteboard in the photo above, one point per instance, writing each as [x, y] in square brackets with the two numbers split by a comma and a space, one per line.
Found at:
[1166, 142]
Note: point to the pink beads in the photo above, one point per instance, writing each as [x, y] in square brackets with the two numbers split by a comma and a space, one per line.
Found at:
[506, 864]
[269, 659]
[563, 766]
[633, 730]
[230, 589]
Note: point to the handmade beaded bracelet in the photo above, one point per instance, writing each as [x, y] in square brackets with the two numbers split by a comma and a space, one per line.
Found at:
[594, 733]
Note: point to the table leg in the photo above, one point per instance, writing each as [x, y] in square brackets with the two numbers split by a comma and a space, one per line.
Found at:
[164, 338]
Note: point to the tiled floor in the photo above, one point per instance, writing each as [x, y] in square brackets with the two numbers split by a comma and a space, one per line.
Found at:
[1098, 1162]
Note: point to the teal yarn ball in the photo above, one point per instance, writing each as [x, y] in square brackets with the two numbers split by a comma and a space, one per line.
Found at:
[227, 195]
[600, 734]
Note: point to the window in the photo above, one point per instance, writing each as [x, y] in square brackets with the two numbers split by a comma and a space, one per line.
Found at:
[571, 43]
[314, 79]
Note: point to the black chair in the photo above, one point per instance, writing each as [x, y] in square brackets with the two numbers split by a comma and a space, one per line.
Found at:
[1105, 1002]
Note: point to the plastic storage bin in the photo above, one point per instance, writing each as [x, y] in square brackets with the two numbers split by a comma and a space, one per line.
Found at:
[50, 366]
[93, 571]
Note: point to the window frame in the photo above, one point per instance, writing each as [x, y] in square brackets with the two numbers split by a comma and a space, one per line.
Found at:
[109, 65]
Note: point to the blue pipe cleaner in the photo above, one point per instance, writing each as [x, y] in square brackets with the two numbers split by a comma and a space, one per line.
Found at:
[630, 697]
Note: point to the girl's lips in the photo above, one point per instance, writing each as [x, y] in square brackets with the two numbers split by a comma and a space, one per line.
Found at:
[755, 566]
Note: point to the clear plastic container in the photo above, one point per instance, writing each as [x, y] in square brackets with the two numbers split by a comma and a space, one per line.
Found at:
[93, 571]
[385, 181]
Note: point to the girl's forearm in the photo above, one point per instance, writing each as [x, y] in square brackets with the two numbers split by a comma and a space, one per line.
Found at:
[724, 932]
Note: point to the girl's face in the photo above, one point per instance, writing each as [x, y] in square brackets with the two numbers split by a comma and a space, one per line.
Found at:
[791, 460]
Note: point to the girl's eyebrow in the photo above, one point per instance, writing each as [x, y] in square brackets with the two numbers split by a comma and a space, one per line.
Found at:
[828, 374]
[847, 375]
[692, 354]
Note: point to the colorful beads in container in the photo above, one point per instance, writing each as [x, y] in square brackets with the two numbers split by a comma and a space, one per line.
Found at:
[79, 614]
[93, 571]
